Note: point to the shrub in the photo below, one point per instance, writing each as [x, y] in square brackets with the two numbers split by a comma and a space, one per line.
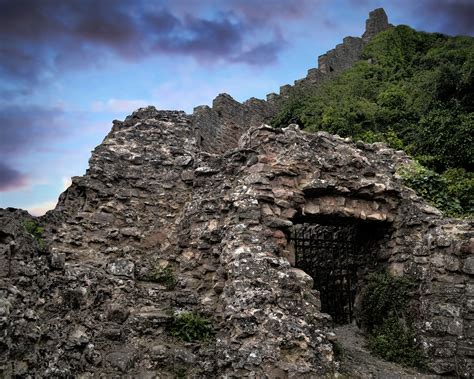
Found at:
[382, 296]
[384, 315]
[189, 327]
[460, 185]
[32, 227]
[412, 90]
[394, 341]
[452, 192]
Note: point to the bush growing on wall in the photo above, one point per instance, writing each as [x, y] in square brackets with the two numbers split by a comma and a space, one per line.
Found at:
[452, 192]
[36, 231]
[189, 327]
[383, 314]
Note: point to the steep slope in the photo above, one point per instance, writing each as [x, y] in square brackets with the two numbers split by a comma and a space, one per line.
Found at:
[220, 126]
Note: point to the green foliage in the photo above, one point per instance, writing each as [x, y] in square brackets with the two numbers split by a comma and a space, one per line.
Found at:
[396, 342]
[384, 314]
[382, 296]
[452, 192]
[163, 275]
[413, 91]
[190, 327]
[32, 227]
[460, 185]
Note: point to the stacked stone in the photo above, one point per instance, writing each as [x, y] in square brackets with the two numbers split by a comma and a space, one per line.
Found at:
[100, 308]
[220, 127]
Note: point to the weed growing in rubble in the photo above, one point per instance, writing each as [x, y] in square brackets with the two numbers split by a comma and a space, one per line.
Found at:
[32, 227]
[163, 275]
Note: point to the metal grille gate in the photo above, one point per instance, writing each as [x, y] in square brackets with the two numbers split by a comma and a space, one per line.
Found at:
[330, 255]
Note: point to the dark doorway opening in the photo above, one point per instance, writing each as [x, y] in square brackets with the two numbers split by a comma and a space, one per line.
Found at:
[337, 254]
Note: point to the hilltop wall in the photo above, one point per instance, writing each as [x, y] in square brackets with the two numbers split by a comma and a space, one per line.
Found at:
[219, 127]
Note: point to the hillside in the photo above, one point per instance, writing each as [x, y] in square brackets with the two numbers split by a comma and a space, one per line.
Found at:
[413, 91]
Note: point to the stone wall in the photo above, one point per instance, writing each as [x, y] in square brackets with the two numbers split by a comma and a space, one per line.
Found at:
[347, 180]
[219, 128]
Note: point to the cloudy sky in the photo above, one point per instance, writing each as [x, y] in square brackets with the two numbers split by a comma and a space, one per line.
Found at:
[69, 67]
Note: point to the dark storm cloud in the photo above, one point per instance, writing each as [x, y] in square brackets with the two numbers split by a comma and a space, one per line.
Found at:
[41, 37]
[272, 11]
[453, 16]
[10, 178]
[198, 37]
[267, 52]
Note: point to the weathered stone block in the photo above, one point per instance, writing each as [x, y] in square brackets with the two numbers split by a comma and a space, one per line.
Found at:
[130, 232]
[121, 267]
[58, 260]
[123, 361]
[468, 265]
[118, 313]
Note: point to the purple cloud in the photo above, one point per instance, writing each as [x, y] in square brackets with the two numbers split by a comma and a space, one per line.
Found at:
[39, 38]
[264, 52]
[258, 12]
[25, 128]
[454, 17]
[200, 38]
[10, 179]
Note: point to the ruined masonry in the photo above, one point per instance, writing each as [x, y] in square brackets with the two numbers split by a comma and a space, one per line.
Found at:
[224, 204]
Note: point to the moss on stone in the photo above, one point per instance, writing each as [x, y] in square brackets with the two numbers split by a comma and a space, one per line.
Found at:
[189, 327]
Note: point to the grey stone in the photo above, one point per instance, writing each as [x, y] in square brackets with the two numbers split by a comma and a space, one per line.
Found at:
[121, 267]
[58, 260]
[118, 313]
[468, 266]
[121, 360]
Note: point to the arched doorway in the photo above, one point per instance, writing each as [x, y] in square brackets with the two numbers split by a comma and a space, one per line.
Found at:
[337, 252]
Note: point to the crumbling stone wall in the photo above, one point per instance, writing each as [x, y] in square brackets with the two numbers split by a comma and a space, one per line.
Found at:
[211, 197]
[220, 127]
[359, 181]
[152, 199]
